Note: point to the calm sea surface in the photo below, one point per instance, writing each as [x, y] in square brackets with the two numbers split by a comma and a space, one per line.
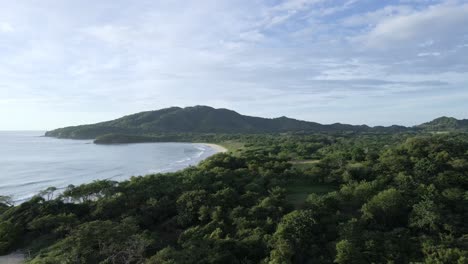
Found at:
[30, 163]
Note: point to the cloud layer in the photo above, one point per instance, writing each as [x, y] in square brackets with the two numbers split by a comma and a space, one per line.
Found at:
[375, 62]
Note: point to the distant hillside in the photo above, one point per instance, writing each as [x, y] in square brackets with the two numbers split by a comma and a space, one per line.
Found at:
[204, 119]
[445, 124]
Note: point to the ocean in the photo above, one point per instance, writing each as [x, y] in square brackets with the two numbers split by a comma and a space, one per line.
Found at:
[30, 162]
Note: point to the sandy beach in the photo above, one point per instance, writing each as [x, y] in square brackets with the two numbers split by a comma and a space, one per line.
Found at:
[218, 148]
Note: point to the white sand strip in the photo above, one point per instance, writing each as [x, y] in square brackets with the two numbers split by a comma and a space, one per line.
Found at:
[217, 148]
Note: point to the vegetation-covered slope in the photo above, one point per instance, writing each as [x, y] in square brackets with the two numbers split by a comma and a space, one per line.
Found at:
[203, 119]
[445, 124]
[391, 198]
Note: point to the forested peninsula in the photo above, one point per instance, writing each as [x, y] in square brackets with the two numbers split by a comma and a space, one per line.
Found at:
[288, 191]
[182, 123]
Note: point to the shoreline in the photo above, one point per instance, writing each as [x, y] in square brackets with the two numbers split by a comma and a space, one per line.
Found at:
[20, 195]
[216, 147]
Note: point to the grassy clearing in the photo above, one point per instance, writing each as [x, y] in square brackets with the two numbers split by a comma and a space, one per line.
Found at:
[304, 165]
[298, 191]
[232, 146]
[300, 162]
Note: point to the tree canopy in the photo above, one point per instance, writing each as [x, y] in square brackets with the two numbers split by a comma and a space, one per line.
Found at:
[390, 198]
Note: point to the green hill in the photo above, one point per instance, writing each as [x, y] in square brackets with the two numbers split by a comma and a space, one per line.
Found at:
[203, 119]
[445, 124]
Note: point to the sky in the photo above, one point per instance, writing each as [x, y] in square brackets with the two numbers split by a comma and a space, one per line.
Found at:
[65, 62]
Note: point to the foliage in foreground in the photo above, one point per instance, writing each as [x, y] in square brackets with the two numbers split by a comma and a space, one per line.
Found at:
[399, 199]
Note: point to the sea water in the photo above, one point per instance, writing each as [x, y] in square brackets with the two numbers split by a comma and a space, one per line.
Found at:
[30, 162]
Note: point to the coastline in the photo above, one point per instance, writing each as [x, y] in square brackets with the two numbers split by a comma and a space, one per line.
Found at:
[217, 148]
[23, 189]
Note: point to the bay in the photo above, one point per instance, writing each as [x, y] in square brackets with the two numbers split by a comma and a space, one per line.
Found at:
[30, 162]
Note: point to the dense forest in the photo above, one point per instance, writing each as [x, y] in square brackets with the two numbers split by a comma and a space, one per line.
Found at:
[279, 198]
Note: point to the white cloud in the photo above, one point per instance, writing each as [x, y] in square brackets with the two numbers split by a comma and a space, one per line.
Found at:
[375, 17]
[441, 23]
[430, 54]
[292, 6]
[6, 27]
[426, 44]
[286, 10]
[109, 33]
[252, 36]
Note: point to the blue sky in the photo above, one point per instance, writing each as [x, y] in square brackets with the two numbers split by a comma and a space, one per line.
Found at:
[66, 62]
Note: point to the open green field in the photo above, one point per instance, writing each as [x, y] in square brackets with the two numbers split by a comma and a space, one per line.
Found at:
[231, 145]
[304, 164]
[298, 191]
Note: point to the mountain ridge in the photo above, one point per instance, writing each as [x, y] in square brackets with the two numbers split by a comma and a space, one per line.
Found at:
[445, 123]
[205, 119]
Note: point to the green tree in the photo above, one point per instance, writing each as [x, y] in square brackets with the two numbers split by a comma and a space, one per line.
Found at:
[295, 238]
[387, 208]
[188, 206]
